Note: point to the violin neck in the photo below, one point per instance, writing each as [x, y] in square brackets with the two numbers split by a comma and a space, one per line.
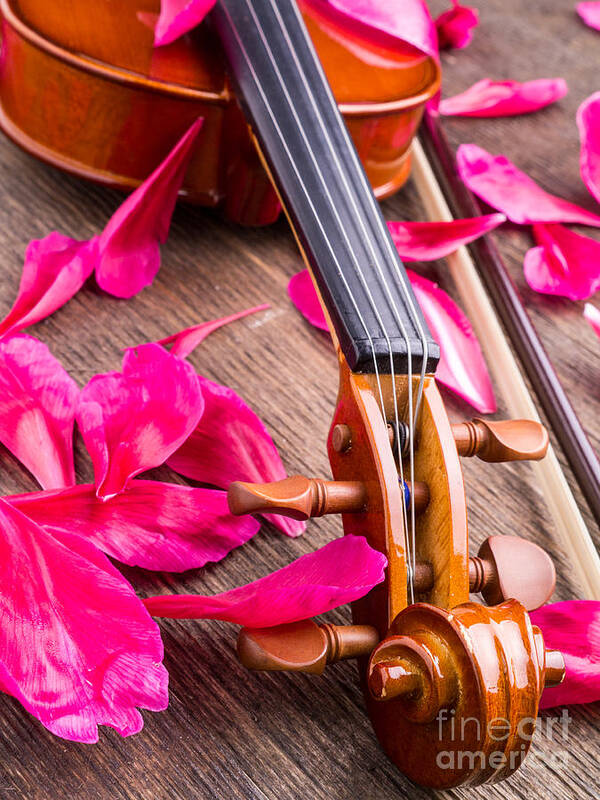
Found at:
[322, 184]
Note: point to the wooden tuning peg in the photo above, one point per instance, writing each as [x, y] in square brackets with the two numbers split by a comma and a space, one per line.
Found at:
[510, 567]
[297, 497]
[303, 646]
[508, 440]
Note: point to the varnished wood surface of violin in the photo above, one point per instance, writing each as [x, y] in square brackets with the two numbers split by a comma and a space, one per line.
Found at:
[82, 88]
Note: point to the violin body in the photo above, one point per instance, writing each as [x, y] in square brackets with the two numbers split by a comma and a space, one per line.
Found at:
[83, 88]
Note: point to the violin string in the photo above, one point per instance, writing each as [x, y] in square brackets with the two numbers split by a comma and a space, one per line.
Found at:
[374, 254]
[410, 539]
[384, 235]
[292, 162]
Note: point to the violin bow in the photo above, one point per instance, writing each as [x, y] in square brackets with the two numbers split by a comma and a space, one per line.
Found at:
[479, 277]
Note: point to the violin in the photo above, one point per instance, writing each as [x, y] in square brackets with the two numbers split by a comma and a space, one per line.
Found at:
[451, 686]
[83, 88]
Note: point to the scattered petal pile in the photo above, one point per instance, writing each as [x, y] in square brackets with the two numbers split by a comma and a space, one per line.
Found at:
[573, 627]
[338, 573]
[489, 98]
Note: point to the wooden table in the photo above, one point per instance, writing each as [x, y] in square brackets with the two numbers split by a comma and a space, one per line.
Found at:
[229, 734]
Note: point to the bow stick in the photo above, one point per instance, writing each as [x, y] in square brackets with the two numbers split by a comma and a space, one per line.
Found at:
[569, 523]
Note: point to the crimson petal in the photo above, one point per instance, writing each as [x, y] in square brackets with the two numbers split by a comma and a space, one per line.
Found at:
[37, 410]
[338, 573]
[589, 13]
[134, 420]
[129, 253]
[565, 263]
[55, 269]
[230, 443]
[154, 525]
[77, 647]
[456, 26]
[303, 295]
[573, 627]
[488, 98]
[592, 315]
[462, 367]
[588, 122]
[427, 241]
[185, 341]
[501, 185]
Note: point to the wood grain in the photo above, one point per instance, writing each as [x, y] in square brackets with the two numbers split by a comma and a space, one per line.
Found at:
[228, 734]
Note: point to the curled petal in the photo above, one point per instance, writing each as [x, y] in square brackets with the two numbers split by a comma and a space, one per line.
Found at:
[230, 443]
[489, 98]
[592, 314]
[588, 123]
[456, 26]
[573, 627]
[178, 17]
[55, 269]
[154, 525]
[590, 14]
[77, 647]
[129, 253]
[338, 573]
[37, 410]
[134, 420]
[462, 367]
[564, 263]
[501, 185]
[405, 22]
[188, 339]
[427, 241]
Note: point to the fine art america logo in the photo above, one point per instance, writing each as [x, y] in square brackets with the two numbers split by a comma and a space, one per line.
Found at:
[498, 730]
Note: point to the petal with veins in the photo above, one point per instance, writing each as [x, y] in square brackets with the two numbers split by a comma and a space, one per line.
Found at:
[37, 410]
[154, 525]
[428, 241]
[77, 647]
[488, 98]
[588, 123]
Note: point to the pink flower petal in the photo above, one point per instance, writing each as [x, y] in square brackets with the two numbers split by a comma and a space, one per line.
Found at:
[565, 263]
[303, 295]
[134, 420]
[37, 410]
[55, 269]
[407, 22]
[427, 241]
[573, 627]
[592, 315]
[188, 339]
[338, 573]
[230, 443]
[77, 647]
[455, 27]
[178, 17]
[588, 122]
[154, 525]
[499, 183]
[489, 98]
[129, 253]
[461, 368]
[590, 14]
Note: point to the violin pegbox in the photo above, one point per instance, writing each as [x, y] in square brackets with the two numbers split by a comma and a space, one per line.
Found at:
[441, 674]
